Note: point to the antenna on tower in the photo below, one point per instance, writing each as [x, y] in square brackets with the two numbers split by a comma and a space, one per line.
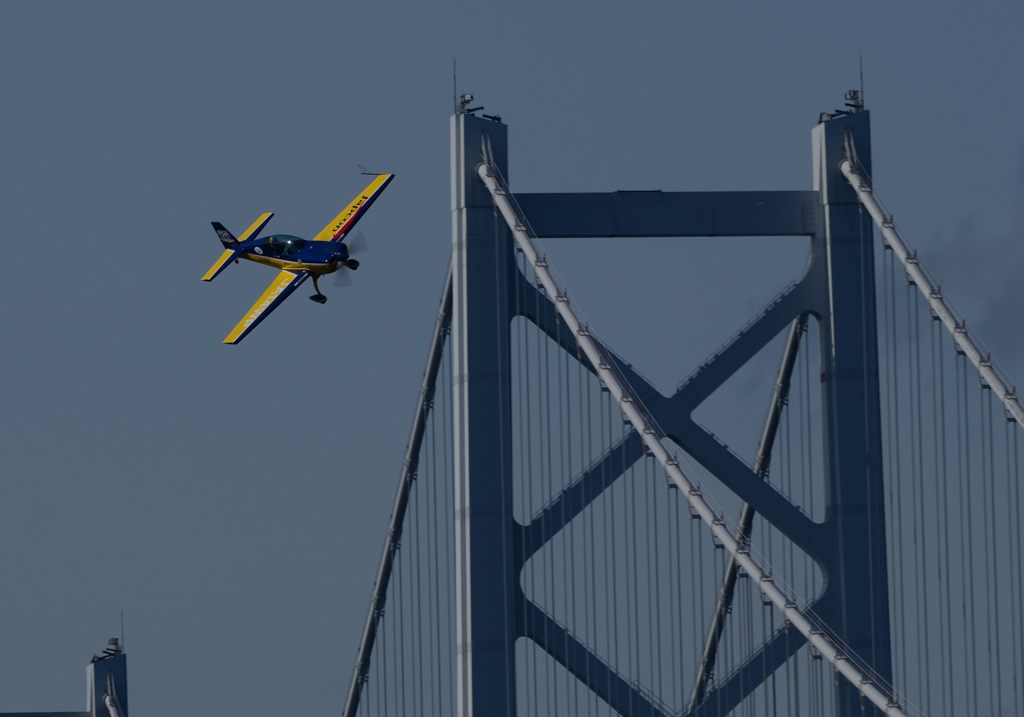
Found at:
[862, 79]
[853, 100]
[455, 89]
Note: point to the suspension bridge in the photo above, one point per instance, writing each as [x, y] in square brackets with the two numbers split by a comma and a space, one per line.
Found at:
[566, 539]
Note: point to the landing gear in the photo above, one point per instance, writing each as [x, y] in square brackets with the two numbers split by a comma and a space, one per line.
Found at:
[317, 297]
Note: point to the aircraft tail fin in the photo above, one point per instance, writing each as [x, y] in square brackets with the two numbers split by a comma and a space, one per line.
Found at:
[226, 237]
[229, 240]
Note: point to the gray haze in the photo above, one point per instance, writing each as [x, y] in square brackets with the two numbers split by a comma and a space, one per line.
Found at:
[232, 501]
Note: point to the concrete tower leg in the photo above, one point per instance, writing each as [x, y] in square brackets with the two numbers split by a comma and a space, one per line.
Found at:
[855, 603]
[482, 259]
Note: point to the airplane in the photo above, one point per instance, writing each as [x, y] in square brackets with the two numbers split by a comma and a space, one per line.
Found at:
[297, 258]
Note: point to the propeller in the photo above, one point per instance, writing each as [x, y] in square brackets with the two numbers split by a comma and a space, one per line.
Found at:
[357, 245]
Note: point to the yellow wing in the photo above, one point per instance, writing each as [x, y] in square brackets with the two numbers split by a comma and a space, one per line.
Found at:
[280, 288]
[343, 223]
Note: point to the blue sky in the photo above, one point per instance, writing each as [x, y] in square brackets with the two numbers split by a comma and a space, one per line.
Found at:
[232, 501]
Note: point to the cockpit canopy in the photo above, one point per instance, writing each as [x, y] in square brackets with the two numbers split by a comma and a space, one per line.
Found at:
[285, 244]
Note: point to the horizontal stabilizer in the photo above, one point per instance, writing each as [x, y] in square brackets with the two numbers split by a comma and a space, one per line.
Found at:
[220, 265]
[256, 227]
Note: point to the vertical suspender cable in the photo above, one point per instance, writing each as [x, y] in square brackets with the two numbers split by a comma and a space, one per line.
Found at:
[697, 579]
[613, 544]
[437, 475]
[718, 562]
[788, 559]
[808, 438]
[973, 601]
[896, 480]
[653, 587]
[503, 331]
[919, 513]
[384, 682]
[891, 428]
[913, 428]
[377, 675]
[970, 601]
[589, 562]
[807, 501]
[558, 441]
[942, 527]
[540, 582]
[754, 631]
[420, 668]
[644, 485]
[520, 508]
[1009, 427]
[448, 460]
[423, 628]
[568, 571]
[633, 608]
[536, 683]
[1018, 638]
[768, 538]
[996, 656]
[806, 490]
[965, 557]
[675, 594]
[986, 472]
[528, 478]
[400, 629]
[544, 439]
[989, 567]
[401, 500]
[655, 486]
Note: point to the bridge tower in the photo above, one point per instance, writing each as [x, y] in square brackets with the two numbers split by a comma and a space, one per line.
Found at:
[837, 291]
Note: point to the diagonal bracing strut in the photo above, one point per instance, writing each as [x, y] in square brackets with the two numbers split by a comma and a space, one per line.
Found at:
[780, 394]
[652, 435]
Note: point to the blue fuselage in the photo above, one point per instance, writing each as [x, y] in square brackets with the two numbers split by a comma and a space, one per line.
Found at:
[290, 252]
